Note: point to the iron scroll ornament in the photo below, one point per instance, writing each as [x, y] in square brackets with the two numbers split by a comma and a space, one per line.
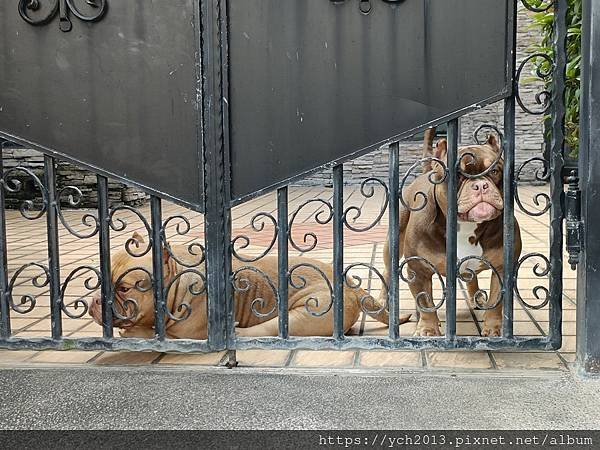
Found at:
[365, 6]
[63, 8]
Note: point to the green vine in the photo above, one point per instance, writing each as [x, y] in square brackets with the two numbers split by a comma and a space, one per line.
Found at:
[544, 21]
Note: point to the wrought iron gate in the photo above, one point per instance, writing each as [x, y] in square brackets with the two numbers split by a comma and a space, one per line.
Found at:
[229, 114]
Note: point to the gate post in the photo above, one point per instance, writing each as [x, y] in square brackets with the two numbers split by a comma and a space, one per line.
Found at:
[588, 275]
[217, 178]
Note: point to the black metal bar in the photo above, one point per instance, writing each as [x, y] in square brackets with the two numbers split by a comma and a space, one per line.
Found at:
[158, 284]
[53, 246]
[338, 251]
[112, 344]
[221, 332]
[317, 343]
[509, 218]
[4, 304]
[451, 230]
[588, 275]
[394, 242]
[556, 169]
[406, 343]
[104, 249]
[283, 264]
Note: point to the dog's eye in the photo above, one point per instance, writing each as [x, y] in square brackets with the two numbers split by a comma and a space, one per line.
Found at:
[123, 289]
[494, 172]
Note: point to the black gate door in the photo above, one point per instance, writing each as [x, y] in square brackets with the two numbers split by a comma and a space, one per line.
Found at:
[211, 103]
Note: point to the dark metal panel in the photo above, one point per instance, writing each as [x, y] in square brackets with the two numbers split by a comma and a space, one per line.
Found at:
[120, 94]
[588, 275]
[316, 81]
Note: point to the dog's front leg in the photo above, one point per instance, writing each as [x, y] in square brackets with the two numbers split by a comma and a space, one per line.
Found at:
[492, 318]
[421, 289]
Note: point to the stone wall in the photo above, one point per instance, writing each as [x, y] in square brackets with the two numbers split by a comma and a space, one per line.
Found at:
[67, 175]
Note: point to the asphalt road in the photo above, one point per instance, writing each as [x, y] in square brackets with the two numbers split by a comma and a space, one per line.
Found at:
[167, 398]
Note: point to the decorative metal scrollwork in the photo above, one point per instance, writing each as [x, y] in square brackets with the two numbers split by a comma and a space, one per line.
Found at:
[195, 249]
[368, 191]
[42, 12]
[365, 6]
[481, 299]
[543, 73]
[540, 270]
[39, 281]
[541, 199]
[321, 216]
[543, 6]
[13, 186]
[313, 305]
[90, 284]
[74, 196]
[260, 306]
[435, 177]
[410, 277]
[118, 224]
[368, 303]
[258, 224]
[128, 308]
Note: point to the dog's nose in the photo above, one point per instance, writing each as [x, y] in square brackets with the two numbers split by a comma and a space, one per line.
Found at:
[480, 186]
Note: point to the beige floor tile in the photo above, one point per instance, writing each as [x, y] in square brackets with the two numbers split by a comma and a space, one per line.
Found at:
[568, 344]
[306, 358]
[262, 358]
[126, 358]
[68, 325]
[525, 329]
[32, 334]
[459, 360]
[202, 359]
[528, 360]
[18, 323]
[66, 357]
[390, 359]
[87, 334]
[15, 356]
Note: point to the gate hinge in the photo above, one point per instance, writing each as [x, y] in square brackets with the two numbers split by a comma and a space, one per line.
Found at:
[573, 219]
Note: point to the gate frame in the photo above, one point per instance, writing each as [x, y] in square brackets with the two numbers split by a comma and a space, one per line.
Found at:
[588, 277]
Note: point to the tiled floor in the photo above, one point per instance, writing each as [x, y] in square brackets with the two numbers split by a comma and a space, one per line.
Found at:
[27, 244]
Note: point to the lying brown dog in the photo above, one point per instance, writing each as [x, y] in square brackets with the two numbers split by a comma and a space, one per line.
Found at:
[309, 300]
[480, 230]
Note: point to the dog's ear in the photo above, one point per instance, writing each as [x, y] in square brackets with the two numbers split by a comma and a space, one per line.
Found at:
[441, 149]
[137, 237]
[166, 255]
[493, 142]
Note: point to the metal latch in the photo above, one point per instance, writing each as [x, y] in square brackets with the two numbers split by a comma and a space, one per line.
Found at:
[573, 218]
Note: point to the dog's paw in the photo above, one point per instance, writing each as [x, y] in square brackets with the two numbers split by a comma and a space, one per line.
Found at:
[492, 328]
[428, 329]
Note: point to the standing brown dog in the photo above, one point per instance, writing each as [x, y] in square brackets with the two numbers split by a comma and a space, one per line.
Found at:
[480, 230]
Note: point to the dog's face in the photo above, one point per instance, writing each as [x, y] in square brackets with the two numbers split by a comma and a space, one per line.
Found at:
[479, 181]
[132, 286]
